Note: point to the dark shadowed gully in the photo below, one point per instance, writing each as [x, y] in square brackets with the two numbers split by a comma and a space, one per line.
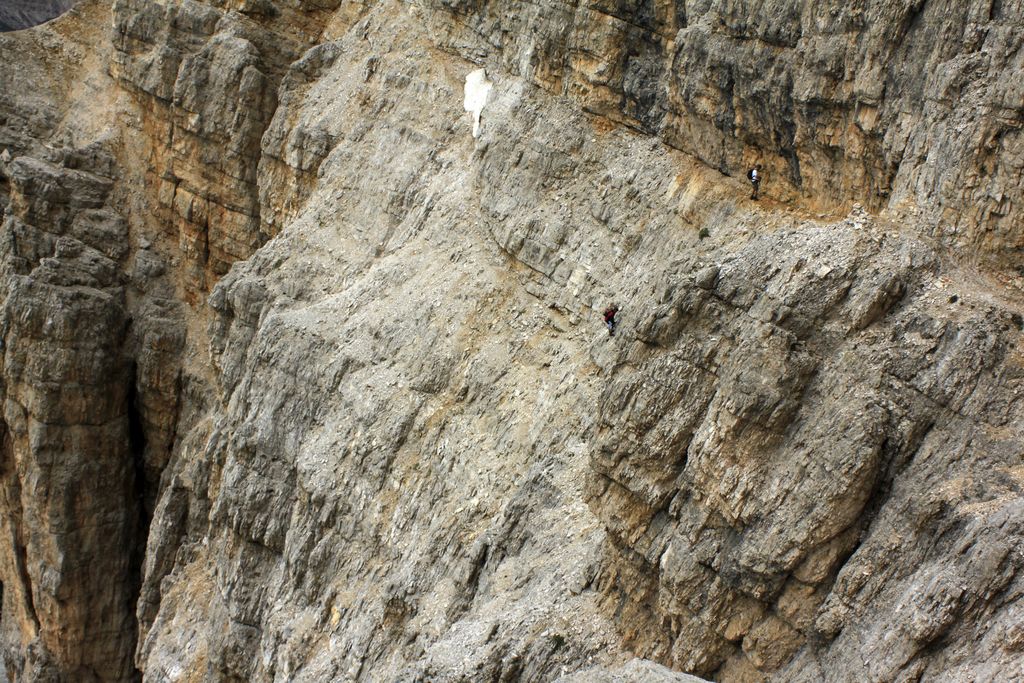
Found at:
[20, 14]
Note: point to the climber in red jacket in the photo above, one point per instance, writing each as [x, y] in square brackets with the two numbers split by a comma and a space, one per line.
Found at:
[609, 318]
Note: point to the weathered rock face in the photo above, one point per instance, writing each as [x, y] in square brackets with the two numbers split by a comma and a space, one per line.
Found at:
[303, 381]
[789, 417]
[69, 469]
[206, 81]
[885, 103]
[89, 346]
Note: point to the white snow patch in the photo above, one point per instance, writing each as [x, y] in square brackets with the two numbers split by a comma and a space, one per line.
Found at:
[477, 87]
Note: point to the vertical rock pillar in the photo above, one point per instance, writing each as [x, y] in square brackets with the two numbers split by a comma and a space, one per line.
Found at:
[67, 474]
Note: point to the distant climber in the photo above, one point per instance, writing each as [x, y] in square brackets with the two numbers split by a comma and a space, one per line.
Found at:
[609, 318]
[754, 175]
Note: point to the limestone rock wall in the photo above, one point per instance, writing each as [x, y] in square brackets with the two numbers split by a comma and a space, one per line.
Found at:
[206, 79]
[881, 103]
[303, 381]
[91, 335]
[70, 510]
[768, 494]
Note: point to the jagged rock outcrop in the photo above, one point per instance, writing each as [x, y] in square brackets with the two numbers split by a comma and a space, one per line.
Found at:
[206, 80]
[303, 380]
[90, 340]
[799, 403]
[70, 510]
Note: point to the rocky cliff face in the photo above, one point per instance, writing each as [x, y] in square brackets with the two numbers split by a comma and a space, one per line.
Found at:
[304, 381]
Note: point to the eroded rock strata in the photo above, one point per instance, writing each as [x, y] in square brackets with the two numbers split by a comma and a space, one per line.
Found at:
[303, 381]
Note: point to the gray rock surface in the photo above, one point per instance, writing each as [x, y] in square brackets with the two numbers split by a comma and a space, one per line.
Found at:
[634, 671]
[882, 103]
[304, 382]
